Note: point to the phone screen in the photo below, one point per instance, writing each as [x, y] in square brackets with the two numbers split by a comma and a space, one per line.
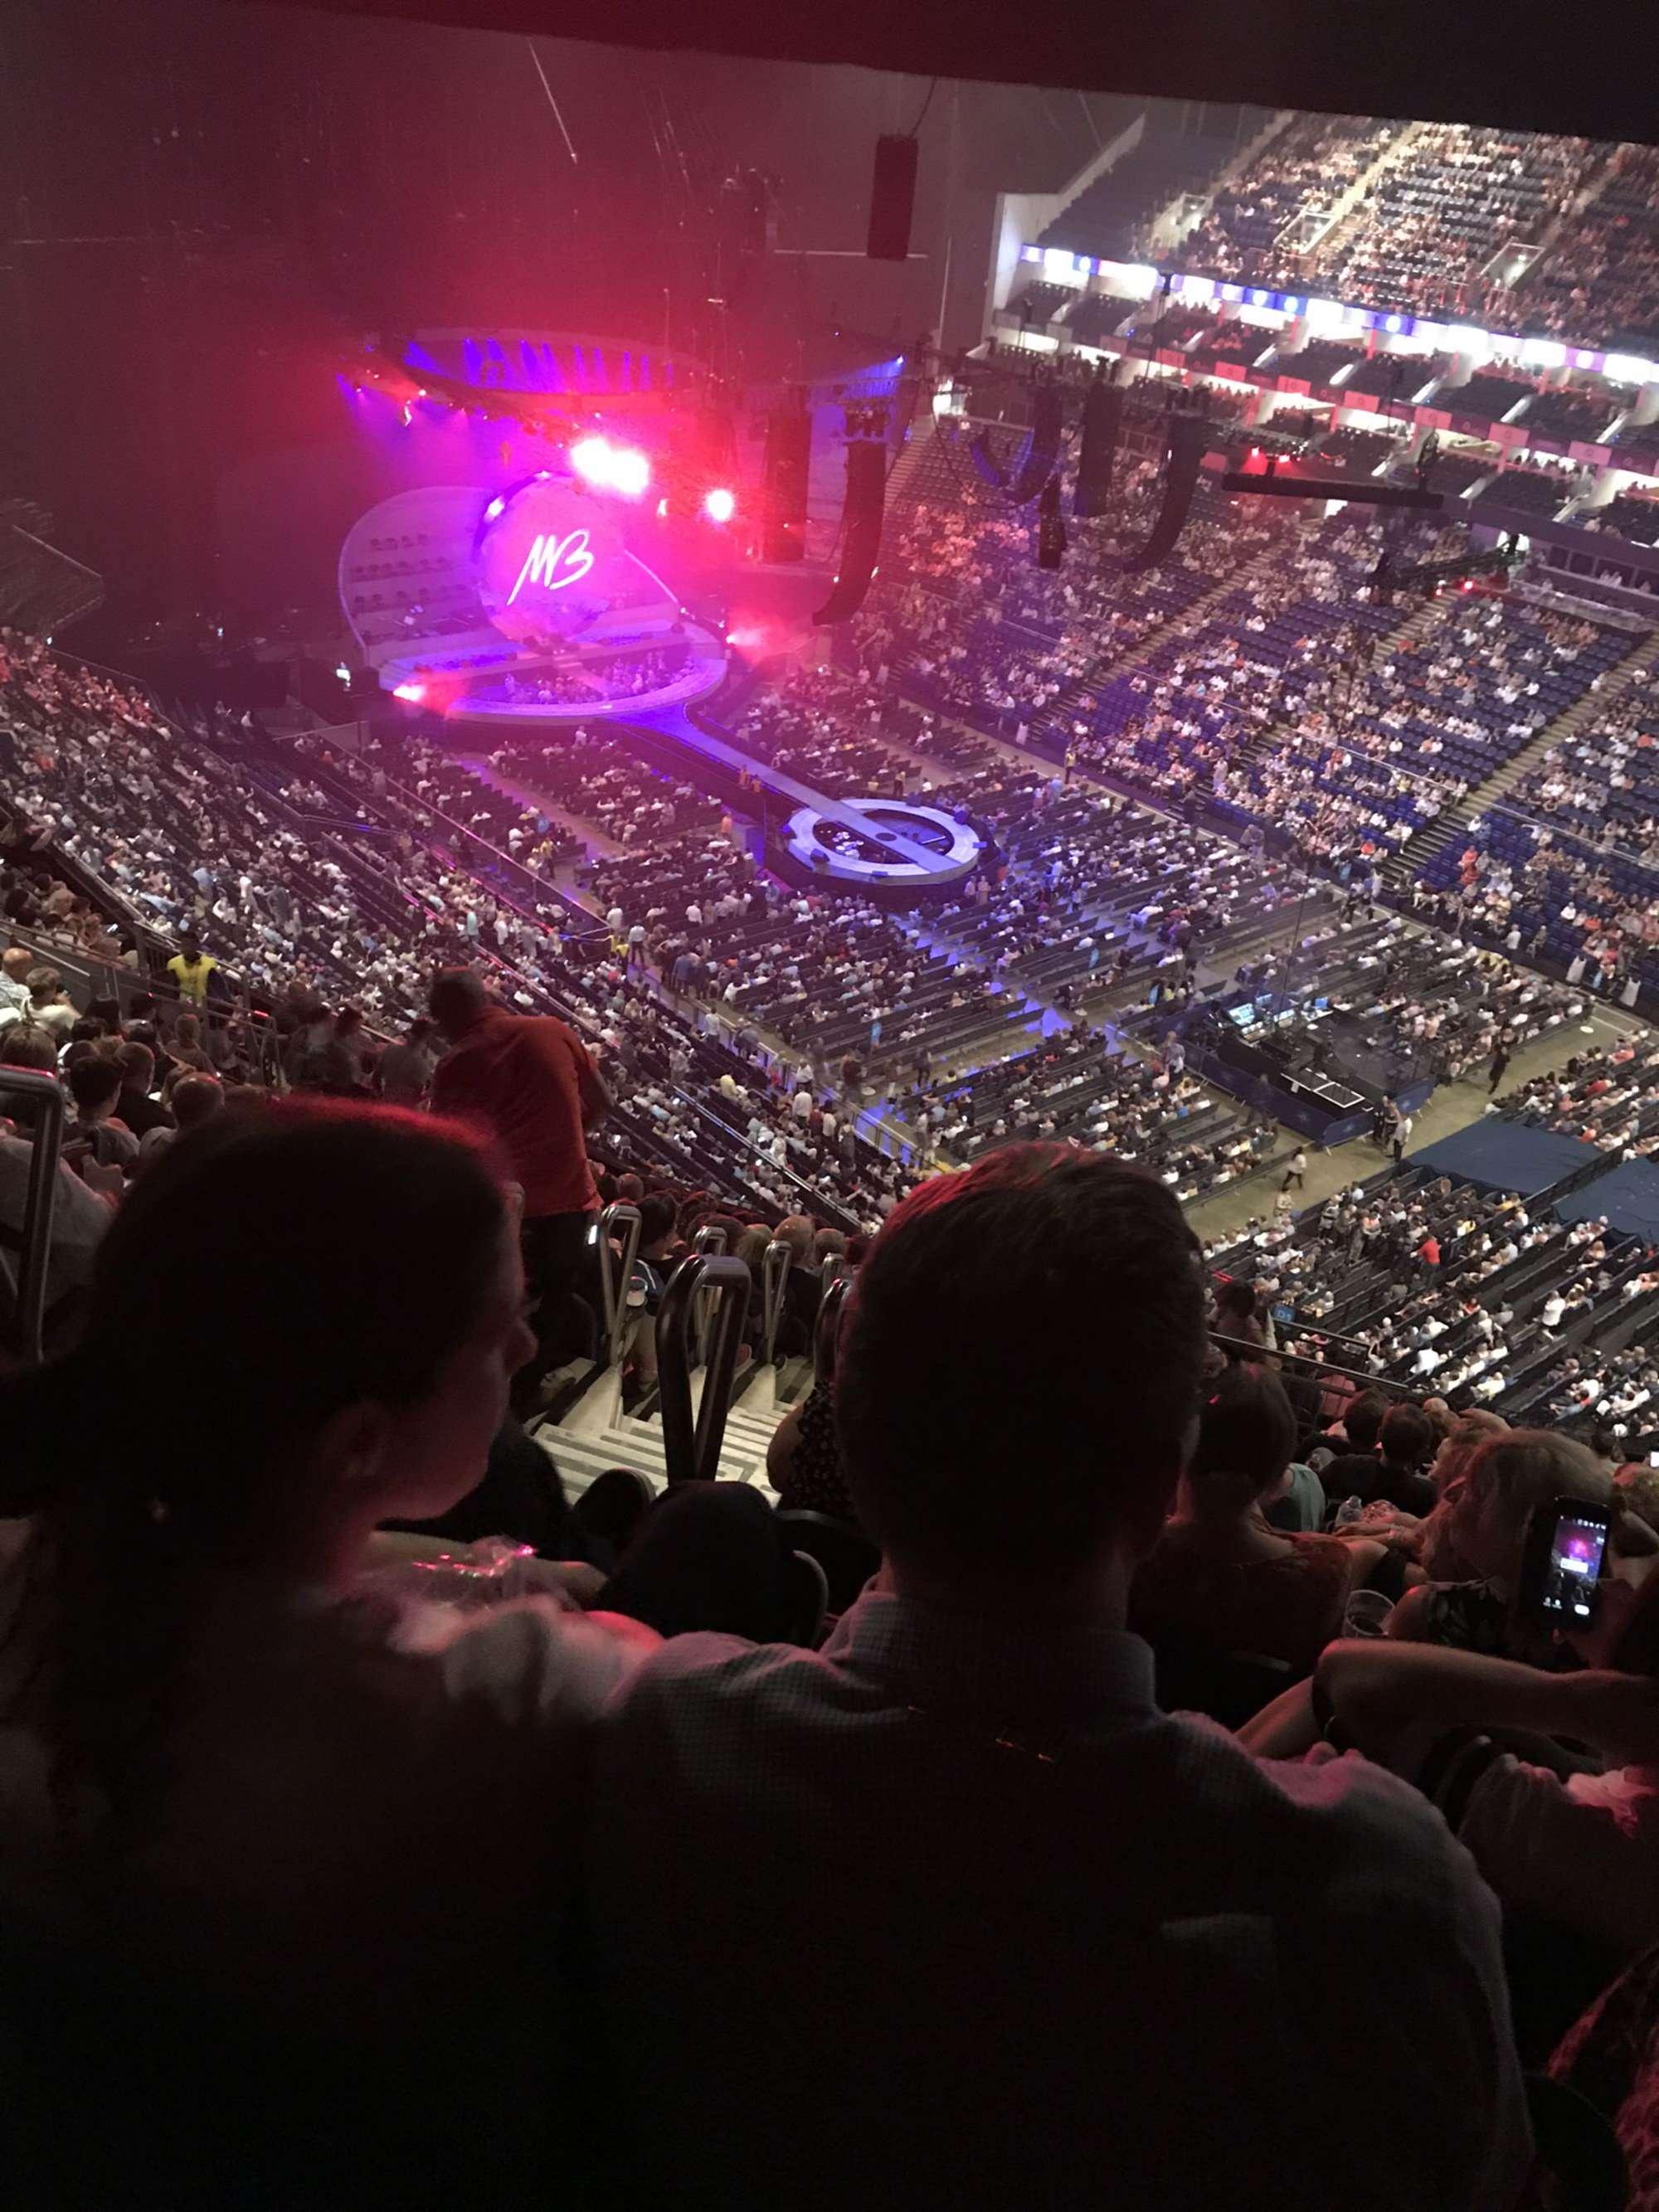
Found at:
[1575, 1562]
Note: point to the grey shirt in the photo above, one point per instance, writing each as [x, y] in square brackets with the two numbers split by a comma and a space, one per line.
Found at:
[949, 1914]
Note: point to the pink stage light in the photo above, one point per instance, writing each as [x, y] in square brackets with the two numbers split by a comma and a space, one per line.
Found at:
[718, 505]
[415, 692]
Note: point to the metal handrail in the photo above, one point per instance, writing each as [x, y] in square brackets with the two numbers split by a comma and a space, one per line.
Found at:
[774, 1277]
[616, 1274]
[1314, 1359]
[826, 1335]
[691, 1451]
[710, 1241]
[41, 1198]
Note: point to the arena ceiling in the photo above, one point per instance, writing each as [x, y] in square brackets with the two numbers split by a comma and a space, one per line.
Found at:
[1589, 68]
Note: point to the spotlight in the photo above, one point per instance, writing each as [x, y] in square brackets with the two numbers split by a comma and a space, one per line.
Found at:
[718, 505]
[496, 507]
[413, 692]
[590, 459]
[631, 473]
[611, 468]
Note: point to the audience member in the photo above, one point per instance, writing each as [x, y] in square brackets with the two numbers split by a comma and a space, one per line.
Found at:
[985, 1688]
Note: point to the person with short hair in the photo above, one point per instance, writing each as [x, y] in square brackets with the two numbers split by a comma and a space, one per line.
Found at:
[140, 1111]
[190, 968]
[1056, 1942]
[196, 1098]
[16, 962]
[49, 1007]
[403, 1075]
[95, 1086]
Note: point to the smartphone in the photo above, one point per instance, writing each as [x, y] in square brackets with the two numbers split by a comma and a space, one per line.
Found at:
[1565, 1546]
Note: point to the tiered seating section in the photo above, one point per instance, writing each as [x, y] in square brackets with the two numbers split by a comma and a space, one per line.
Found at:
[1306, 167]
[1112, 215]
[1569, 865]
[1485, 1328]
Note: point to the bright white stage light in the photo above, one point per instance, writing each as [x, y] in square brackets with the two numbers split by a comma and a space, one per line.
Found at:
[611, 468]
[631, 472]
[718, 505]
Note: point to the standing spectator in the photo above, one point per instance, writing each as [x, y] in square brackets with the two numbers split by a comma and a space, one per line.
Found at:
[1093, 1957]
[404, 1072]
[191, 967]
[1500, 1060]
[528, 1080]
[1402, 1136]
[1297, 1172]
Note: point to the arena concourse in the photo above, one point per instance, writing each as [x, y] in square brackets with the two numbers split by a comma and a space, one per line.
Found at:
[804, 1245]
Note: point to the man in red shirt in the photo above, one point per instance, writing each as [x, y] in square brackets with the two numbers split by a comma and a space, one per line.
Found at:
[527, 1078]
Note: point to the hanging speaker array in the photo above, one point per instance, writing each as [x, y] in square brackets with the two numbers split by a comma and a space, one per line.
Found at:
[1102, 418]
[1189, 438]
[788, 457]
[860, 535]
[1042, 448]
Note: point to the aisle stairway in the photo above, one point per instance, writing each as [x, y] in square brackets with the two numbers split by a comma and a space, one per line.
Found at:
[1351, 200]
[1412, 859]
[595, 1434]
[1052, 723]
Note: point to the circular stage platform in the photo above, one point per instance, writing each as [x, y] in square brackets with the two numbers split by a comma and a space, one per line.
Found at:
[900, 846]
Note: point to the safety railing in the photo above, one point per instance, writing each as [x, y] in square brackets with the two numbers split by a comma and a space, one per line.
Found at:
[710, 1241]
[826, 1335]
[617, 1221]
[40, 1098]
[691, 1448]
[775, 1279]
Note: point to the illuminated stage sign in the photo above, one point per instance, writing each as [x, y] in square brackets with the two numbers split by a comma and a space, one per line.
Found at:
[551, 564]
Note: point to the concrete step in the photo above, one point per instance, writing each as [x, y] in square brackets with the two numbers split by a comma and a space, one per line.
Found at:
[639, 1445]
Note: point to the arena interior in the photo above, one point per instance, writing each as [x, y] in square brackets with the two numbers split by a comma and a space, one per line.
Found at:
[1089, 868]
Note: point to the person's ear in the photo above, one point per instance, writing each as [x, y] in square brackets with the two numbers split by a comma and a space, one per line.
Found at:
[351, 1449]
[1143, 1523]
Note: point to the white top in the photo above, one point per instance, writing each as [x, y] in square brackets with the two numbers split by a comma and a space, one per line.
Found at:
[367, 1796]
[79, 1216]
[1584, 1851]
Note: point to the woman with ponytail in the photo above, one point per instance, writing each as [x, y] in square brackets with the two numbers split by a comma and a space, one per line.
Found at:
[216, 1748]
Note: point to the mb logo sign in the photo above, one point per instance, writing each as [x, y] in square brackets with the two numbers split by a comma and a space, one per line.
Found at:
[553, 563]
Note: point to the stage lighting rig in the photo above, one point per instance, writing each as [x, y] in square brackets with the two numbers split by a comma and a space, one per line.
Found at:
[865, 419]
[1429, 577]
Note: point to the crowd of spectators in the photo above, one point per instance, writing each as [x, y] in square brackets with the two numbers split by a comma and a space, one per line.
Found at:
[218, 1677]
[587, 774]
[240, 1668]
[1302, 172]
